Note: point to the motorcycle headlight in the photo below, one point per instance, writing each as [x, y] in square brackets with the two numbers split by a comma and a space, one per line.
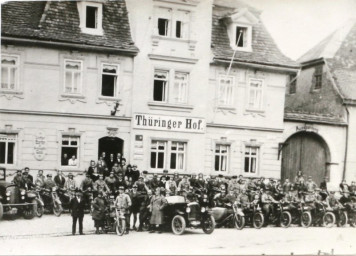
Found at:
[23, 192]
[8, 198]
[187, 210]
[203, 209]
[8, 193]
[22, 197]
[53, 189]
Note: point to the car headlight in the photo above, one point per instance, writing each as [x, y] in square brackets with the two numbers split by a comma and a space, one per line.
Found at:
[8, 198]
[53, 189]
[23, 192]
[8, 193]
[22, 197]
[203, 209]
[187, 210]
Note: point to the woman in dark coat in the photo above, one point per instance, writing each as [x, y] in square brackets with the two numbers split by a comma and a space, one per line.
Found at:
[99, 208]
[158, 202]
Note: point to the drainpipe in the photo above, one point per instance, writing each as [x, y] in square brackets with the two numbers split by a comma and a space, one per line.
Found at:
[347, 142]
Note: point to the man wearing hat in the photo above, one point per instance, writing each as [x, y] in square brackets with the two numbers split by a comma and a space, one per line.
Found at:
[165, 175]
[27, 182]
[40, 179]
[154, 182]
[100, 185]
[310, 185]
[267, 204]
[123, 166]
[123, 204]
[176, 178]
[70, 184]
[27, 169]
[120, 181]
[77, 206]
[17, 180]
[59, 179]
[135, 197]
[233, 185]
[49, 183]
[135, 173]
[183, 187]
[193, 180]
[145, 178]
[111, 182]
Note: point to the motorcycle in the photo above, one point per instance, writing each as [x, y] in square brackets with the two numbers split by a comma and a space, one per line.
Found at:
[114, 219]
[39, 201]
[301, 214]
[229, 216]
[324, 216]
[279, 215]
[52, 201]
[65, 196]
[253, 215]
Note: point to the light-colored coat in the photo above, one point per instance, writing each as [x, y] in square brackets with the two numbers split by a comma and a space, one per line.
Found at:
[157, 204]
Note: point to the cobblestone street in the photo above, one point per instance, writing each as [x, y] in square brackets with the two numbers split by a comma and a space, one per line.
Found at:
[51, 235]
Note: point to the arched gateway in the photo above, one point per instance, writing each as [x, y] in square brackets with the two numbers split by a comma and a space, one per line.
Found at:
[110, 145]
[308, 152]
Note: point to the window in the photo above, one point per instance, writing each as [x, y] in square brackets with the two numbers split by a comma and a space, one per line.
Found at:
[241, 36]
[226, 90]
[180, 87]
[174, 149]
[172, 22]
[251, 159]
[7, 148]
[91, 17]
[70, 148]
[292, 84]
[177, 155]
[221, 157]
[255, 94]
[163, 27]
[158, 154]
[109, 80]
[318, 77]
[9, 72]
[160, 86]
[73, 77]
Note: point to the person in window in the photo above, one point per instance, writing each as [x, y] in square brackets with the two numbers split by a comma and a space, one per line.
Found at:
[111, 161]
[59, 179]
[18, 180]
[73, 161]
[123, 204]
[123, 166]
[158, 202]
[28, 174]
[65, 159]
[98, 215]
[40, 179]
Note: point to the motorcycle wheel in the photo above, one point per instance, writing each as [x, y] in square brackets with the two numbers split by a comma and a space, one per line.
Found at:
[258, 220]
[352, 220]
[40, 209]
[1, 211]
[306, 219]
[120, 227]
[30, 211]
[329, 219]
[178, 225]
[343, 219]
[57, 209]
[285, 219]
[208, 225]
[239, 221]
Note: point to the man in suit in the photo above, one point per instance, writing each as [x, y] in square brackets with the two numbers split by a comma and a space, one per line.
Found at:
[77, 206]
[111, 161]
[59, 179]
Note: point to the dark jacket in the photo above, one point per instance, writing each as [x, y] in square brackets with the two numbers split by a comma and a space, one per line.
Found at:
[99, 207]
[77, 207]
[60, 181]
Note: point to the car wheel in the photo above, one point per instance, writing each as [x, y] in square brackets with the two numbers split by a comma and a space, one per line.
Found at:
[306, 219]
[30, 211]
[40, 208]
[258, 220]
[343, 219]
[329, 219]
[57, 209]
[285, 219]
[239, 221]
[1, 211]
[208, 225]
[178, 225]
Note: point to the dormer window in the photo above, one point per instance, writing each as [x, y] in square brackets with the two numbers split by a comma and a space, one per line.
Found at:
[241, 36]
[91, 15]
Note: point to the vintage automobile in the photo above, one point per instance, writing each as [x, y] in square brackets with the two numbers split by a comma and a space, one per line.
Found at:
[14, 200]
[181, 214]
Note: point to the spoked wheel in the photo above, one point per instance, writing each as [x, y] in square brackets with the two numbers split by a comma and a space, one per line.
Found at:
[343, 219]
[329, 219]
[120, 226]
[178, 225]
[306, 219]
[352, 219]
[258, 220]
[239, 221]
[208, 225]
[40, 208]
[57, 209]
[285, 219]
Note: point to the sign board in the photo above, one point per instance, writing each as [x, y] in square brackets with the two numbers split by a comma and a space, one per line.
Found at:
[306, 128]
[40, 145]
[169, 123]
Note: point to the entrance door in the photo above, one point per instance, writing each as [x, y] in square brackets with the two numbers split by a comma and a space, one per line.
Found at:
[110, 145]
[307, 152]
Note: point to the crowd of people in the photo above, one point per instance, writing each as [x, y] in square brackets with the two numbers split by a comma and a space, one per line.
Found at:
[139, 194]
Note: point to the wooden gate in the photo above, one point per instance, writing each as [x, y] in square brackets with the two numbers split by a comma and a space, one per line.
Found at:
[307, 152]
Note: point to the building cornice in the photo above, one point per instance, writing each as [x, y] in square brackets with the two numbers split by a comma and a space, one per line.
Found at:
[172, 58]
[66, 45]
[240, 127]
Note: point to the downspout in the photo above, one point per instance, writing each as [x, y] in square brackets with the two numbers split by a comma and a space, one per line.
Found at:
[347, 142]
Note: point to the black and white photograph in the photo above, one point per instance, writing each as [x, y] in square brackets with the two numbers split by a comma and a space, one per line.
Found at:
[178, 127]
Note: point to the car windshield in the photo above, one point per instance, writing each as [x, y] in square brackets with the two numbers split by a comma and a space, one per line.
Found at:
[175, 199]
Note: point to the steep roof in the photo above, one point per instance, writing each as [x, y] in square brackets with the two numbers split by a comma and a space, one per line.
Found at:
[339, 52]
[58, 21]
[264, 49]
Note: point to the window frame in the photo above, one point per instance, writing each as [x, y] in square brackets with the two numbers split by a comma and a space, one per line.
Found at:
[117, 83]
[177, 152]
[232, 96]
[292, 84]
[166, 86]
[220, 155]
[80, 89]
[6, 147]
[248, 46]
[250, 157]
[172, 90]
[318, 77]
[70, 136]
[261, 103]
[99, 29]
[17, 74]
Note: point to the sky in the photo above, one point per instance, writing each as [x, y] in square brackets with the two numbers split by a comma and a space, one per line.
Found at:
[298, 25]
